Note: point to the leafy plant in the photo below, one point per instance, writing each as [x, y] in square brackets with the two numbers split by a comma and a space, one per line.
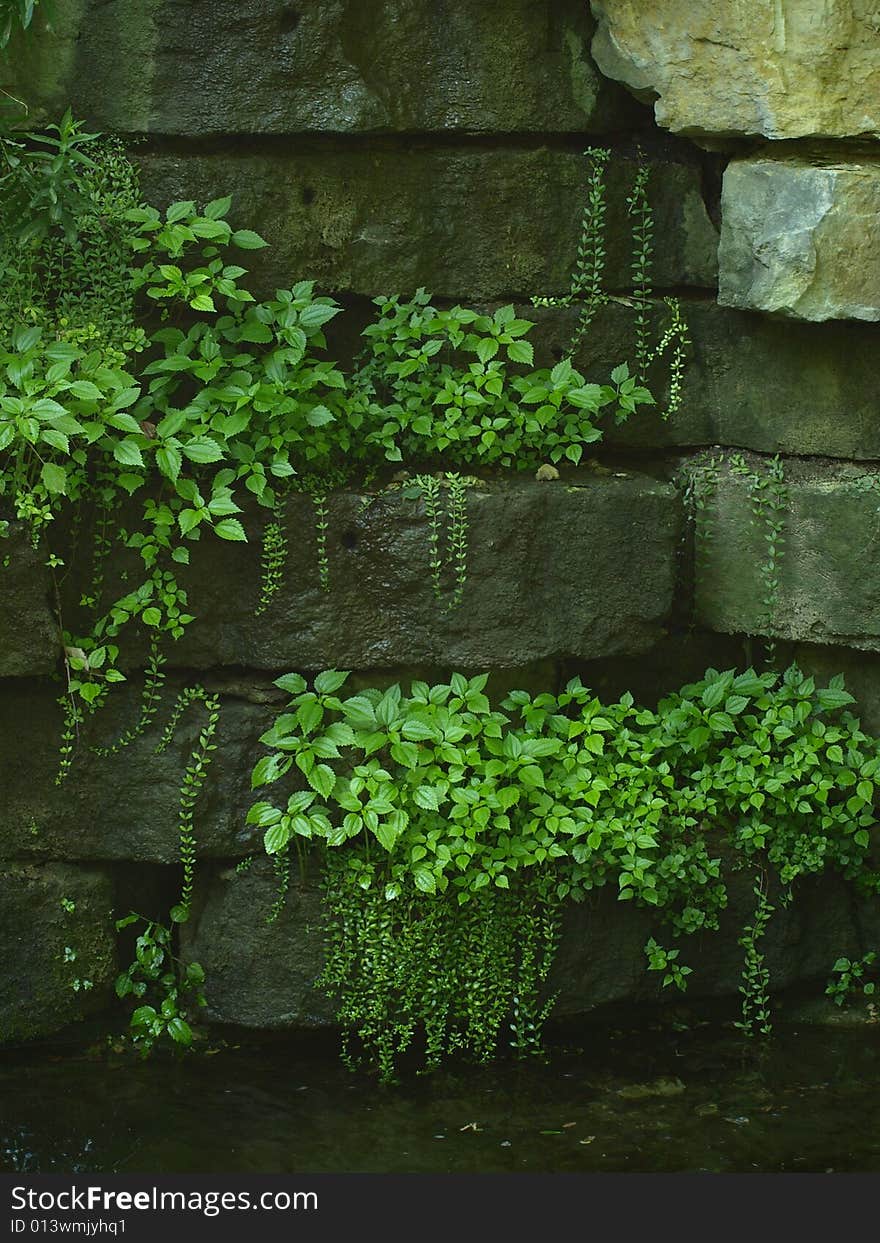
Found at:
[165, 990]
[660, 959]
[435, 793]
[755, 987]
[169, 430]
[851, 979]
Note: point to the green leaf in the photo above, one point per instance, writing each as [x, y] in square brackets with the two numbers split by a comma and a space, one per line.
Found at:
[85, 390]
[54, 478]
[427, 797]
[293, 683]
[180, 1031]
[179, 211]
[151, 617]
[202, 449]
[127, 453]
[322, 778]
[329, 681]
[218, 208]
[231, 529]
[521, 352]
[276, 838]
[425, 880]
[246, 239]
[263, 814]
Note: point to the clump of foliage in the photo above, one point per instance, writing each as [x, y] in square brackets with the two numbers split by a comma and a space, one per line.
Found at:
[18, 15]
[437, 797]
[140, 376]
[587, 288]
[163, 989]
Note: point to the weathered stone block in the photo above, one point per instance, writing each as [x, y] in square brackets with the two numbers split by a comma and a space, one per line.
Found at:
[28, 637]
[56, 927]
[750, 381]
[258, 975]
[87, 819]
[828, 570]
[465, 223]
[195, 67]
[262, 975]
[125, 806]
[583, 567]
[801, 239]
[785, 70]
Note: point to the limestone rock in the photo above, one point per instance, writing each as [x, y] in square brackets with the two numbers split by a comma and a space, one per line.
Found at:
[197, 67]
[56, 927]
[801, 239]
[781, 68]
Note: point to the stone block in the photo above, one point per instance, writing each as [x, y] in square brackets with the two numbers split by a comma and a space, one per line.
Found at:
[828, 571]
[465, 223]
[56, 926]
[29, 642]
[123, 806]
[262, 975]
[750, 381]
[583, 567]
[200, 67]
[796, 69]
[801, 239]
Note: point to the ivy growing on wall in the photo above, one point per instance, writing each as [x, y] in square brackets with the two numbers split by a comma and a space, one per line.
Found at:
[166, 429]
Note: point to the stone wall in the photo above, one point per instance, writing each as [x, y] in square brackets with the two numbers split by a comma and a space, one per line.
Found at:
[380, 145]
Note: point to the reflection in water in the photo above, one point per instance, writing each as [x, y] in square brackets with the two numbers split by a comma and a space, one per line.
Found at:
[659, 1101]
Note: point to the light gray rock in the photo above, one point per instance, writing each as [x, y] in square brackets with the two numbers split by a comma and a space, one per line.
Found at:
[801, 239]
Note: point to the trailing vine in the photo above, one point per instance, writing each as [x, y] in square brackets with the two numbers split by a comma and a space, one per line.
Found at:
[193, 782]
[426, 802]
[273, 559]
[587, 287]
[429, 489]
[768, 501]
[755, 987]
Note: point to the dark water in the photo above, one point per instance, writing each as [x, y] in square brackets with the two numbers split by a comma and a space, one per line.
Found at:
[660, 1100]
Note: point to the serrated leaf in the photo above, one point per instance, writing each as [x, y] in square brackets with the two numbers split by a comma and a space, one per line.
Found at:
[231, 529]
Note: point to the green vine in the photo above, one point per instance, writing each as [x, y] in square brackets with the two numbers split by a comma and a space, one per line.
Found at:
[769, 502]
[193, 782]
[458, 535]
[273, 560]
[587, 281]
[428, 802]
[755, 987]
[429, 489]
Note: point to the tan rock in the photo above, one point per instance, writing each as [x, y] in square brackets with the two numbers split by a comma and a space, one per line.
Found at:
[781, 68]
